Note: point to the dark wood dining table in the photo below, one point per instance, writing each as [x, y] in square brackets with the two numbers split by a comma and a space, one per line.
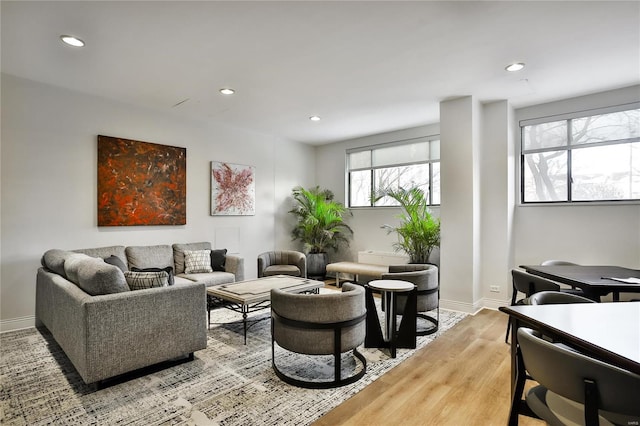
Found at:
[593, 280]
[609, 332]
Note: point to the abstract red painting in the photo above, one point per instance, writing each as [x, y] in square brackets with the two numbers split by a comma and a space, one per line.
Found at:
[233, 189]
[141, 183]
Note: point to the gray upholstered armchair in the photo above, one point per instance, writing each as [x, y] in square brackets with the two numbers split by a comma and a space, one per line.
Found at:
[282, 262]
[319, 324]
[425, 277]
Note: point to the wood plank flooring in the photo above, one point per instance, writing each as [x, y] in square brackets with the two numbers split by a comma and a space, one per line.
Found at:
[461, 378]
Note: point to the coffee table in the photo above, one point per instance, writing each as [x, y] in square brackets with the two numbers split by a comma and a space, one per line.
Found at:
[253, 295]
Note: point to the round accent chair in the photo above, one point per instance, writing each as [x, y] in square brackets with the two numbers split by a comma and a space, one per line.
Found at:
[425, 277]
[319, 324]
[282, 262]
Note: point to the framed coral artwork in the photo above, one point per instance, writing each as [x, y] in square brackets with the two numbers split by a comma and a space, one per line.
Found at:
[233, 189]
[141, 183]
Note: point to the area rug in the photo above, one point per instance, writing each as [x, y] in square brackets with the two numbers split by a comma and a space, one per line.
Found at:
[228, 383]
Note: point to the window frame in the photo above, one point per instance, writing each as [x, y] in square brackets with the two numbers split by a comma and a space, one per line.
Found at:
[372, 169]
[570, 148]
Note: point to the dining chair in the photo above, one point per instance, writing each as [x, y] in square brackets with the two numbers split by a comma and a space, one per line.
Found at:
[552, 262]
[574, 289]
[573, 387]
[552, 298]
[528, 284]
[557, 298]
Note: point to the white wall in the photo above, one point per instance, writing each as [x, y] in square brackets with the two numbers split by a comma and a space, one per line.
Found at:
[48, 199]
[587, 234]
[294, 166]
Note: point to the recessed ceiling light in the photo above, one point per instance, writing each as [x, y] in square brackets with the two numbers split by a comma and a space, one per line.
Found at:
[517, 66]
[72, 41]
[227, 91]
[314, 118]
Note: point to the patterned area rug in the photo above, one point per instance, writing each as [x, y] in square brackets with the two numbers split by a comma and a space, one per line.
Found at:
[227, 384]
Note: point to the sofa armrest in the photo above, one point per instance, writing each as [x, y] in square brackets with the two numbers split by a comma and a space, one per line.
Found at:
[58, 308]
[301, 263]
[235, 265]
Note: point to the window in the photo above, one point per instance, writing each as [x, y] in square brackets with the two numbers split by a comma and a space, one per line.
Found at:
[403, 164]
[582, 158]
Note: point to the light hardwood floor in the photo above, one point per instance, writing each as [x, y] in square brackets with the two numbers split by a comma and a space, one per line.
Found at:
[461, 378]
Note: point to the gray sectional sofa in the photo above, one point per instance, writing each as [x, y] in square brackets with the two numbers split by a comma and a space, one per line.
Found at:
[106, 329]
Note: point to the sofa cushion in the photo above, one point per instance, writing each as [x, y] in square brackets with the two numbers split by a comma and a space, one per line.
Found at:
[282, 270]
[218, 258]
[178, 253]
[143, 280]
[54, 260]
[72, 265]
[96, 277]
[105, 252]
[168, 270]
[197, 261]
[209, 279]
[143, 257]
[182, 279]
[116, 261]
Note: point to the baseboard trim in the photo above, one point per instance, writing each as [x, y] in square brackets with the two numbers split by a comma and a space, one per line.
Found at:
[494, 303]
[14, 324]
[472, 308]
[453, 305]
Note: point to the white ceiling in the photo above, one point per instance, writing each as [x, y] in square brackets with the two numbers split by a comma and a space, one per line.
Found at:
[364, 67]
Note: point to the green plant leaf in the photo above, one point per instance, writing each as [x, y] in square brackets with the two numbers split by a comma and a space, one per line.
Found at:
[418, 232]
[320, 220]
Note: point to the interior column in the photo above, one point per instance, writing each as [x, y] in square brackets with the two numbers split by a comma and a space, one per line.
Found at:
[460, 203]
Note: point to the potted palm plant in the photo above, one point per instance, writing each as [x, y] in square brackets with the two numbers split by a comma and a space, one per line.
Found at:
[320, 226]
[418, 232]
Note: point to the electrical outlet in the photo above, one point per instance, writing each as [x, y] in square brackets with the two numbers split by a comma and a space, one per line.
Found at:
[495, 289]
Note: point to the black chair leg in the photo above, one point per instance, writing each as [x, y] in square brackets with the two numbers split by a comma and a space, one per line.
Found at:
[513, 302]
[516, 399]
[435, 322]
[337, 381]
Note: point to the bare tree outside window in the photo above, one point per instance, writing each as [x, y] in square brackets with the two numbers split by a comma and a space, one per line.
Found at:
[594, 158]
[545, 176]
[409, 164]
[401, 177]
[359, 188]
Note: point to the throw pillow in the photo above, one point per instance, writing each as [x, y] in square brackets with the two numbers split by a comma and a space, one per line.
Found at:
[72, 263]
[116, 261]
[142, 280]
[168, 270]
[96, 277]
[54, 260]
[197, 261]
[218, 258]
[180, 248]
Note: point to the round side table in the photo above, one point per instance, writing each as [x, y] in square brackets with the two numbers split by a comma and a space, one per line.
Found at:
[389, 288]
